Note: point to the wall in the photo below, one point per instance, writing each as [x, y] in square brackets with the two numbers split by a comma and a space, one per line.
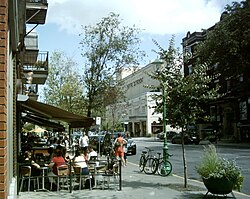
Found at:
[3, 99]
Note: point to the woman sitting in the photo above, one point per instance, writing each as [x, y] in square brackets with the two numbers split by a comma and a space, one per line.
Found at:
[35, 171]
[57, 161]
[80, 161]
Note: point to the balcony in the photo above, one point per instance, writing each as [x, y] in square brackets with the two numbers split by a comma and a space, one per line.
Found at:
[31, 48]
[36, 72]
[36, 11]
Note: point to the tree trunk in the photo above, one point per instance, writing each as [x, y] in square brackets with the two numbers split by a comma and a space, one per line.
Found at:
[184, 159]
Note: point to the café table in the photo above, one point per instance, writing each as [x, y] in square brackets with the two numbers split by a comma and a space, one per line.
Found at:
[43, 169]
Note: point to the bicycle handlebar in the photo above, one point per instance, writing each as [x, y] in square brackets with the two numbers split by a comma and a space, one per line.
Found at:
[169, 155]
[149, 149]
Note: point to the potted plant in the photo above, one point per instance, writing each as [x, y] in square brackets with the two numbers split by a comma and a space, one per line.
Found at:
[220, 176]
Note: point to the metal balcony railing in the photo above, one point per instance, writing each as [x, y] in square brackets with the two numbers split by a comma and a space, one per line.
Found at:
[37, 1]
[41, 63]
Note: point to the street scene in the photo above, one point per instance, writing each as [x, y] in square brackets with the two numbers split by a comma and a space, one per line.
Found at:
[136, 184]
[124, 99]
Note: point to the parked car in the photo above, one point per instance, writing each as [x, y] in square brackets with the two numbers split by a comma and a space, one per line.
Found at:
[177, 139]
[131, 146]
[170, 134]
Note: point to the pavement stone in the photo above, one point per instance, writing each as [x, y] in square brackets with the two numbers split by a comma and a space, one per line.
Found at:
[135, 185]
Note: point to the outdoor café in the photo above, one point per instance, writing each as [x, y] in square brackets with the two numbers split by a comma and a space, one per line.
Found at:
[38, 147]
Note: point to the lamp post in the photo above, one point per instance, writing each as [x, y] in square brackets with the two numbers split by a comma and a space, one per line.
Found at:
[165, 168]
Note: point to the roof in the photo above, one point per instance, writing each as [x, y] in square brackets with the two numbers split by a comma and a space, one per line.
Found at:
[45, 112]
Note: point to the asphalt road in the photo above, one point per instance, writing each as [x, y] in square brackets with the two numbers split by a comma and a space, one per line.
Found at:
[193, 155]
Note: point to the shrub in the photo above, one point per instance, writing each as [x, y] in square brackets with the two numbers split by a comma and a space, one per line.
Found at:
[214, 166]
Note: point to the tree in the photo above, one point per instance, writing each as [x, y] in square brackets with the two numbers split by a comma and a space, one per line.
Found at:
[185, 95]
[227, 44]
[63, 87]
[107, 47]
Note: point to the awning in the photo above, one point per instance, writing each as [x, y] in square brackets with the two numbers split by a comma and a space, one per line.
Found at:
[48, 112]
[42, 122]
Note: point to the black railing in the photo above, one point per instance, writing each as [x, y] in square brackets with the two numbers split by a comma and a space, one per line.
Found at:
[40, 64]
[37, 1]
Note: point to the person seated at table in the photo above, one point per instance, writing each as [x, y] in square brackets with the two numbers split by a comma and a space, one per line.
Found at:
[57, 160]
[92, 153]
[35, 171]
[79, 160]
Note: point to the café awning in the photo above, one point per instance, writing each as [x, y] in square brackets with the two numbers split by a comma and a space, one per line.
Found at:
[47, 112]
[42, 122]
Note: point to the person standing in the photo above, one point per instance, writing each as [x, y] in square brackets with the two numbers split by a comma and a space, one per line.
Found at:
[119, 152]
[84, 141]
[125, 150]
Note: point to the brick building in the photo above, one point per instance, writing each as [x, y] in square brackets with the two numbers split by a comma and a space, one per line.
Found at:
[14, 55]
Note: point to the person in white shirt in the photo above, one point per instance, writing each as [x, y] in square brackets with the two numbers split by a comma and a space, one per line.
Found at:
[84, 142]
[92, 152]
[79, 160]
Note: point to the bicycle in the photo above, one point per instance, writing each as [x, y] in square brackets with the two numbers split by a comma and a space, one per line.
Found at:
[146, 162]
[160, 167]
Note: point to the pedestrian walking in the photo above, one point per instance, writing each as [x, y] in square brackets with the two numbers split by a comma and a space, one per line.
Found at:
[119, 151]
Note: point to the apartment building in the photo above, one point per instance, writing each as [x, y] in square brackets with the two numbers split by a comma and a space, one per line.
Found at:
[230, 118]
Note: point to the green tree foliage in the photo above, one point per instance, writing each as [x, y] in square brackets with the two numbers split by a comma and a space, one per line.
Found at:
[107, 47]
[228, 42]
[64, 87]
[186, 96]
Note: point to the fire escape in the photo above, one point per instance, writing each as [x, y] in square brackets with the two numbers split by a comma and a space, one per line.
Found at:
[34, 64]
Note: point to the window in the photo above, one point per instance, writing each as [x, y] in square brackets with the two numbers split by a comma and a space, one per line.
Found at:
[212, 113]
[190, 69]
[243, 110]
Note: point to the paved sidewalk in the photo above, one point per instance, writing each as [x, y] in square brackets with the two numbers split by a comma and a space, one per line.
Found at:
[135, 185]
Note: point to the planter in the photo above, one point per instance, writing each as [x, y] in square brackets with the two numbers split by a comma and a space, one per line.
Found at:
[218, 185]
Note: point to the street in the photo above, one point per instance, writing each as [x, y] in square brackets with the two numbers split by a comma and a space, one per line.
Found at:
[193, 156]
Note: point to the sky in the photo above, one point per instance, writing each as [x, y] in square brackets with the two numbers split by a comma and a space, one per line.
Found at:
[159, 20]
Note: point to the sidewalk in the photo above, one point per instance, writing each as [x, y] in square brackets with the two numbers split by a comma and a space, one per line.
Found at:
[135, 185]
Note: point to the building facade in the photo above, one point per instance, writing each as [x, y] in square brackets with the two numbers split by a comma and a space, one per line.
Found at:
[15, 55]
[137, 112]
[230, 118]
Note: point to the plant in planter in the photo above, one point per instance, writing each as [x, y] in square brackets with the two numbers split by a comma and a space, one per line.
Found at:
[220, 176]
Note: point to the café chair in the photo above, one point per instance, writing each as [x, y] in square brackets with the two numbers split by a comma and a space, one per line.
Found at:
[25, 174]
[78, 175]
[62, 174]
[111, 174]
[97, 169]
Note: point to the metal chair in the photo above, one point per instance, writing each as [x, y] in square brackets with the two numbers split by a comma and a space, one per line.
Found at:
[109, 174]
[25, 174]
[62, 173]
[78, 174]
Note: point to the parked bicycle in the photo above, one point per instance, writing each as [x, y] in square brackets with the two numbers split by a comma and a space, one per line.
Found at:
[146, 162]
[162, 168]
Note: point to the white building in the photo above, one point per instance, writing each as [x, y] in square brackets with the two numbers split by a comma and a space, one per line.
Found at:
[137, 112]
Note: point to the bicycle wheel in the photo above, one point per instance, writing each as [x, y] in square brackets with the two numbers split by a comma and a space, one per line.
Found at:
[150, 166]
[164, 170]
[141, 163]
